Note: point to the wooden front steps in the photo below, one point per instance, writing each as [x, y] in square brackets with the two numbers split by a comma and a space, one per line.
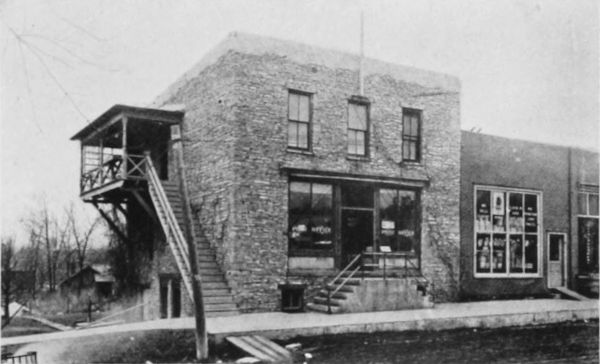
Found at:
[261, 348]
[218, 300]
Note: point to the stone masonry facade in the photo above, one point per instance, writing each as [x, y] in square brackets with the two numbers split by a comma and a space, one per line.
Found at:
[236, 156]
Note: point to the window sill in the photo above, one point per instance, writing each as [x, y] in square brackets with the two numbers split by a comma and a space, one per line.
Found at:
[358, 158]
[411, 164]
[311, 253]
[507, 276]
[300, 151]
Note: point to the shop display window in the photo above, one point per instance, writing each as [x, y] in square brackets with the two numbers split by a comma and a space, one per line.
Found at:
[310, 213]
[398, 219]
[507, 230]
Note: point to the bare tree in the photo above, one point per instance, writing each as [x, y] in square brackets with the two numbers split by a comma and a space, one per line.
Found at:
[8, 269]
[81, 234]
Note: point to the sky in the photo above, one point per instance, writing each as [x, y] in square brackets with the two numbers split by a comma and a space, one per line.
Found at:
[529, 69]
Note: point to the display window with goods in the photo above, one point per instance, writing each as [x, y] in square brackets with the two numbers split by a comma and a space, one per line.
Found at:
[507, 226]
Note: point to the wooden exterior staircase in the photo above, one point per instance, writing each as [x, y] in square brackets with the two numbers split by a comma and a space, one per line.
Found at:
[169, 206]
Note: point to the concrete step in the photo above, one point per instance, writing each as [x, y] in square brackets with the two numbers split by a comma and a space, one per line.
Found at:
[339, 294]
[212, 307]
[323, 301]
[213, 292]
[217, 299]
[222, 313]
[349, 282]
[321, 308]
[213, 285]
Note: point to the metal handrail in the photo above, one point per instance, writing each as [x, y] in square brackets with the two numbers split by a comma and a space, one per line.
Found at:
[345, 269]
[331, 291]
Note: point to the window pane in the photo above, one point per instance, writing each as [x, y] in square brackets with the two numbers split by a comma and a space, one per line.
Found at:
[483, 247]
[406, 125]
[293, 101]
[302, 135]
[483, 221]
[593, 204]
[582, 203]
[554, 248]
[531, 254]
[299, 197]
[310, 216]
[357, 116]
[588, 244]
[498, 259]
[515, 212]
[292, 134]
[352, 142]
[531, 203]
[412, 151]
[321, 198]
[303, 108]
[357, 196]
[516, 254]
[414, 126]
[360, 143]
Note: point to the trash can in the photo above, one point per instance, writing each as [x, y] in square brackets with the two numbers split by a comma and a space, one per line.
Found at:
[292, 296]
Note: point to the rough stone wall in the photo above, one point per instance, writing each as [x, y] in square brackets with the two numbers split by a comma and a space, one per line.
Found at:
[235, 140]
[261, 156]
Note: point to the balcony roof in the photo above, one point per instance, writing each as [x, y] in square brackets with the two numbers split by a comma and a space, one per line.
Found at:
[139, 113]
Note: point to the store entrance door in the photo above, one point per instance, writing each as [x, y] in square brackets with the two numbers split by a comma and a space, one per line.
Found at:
[357, 233]
[557, 260]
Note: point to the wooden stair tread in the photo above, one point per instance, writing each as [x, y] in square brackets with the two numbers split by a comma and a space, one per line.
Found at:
[260, 347]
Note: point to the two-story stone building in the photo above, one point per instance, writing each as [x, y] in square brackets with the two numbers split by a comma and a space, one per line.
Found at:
[289, 172]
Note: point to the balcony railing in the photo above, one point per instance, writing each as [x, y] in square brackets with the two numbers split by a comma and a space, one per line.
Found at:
[117, 168]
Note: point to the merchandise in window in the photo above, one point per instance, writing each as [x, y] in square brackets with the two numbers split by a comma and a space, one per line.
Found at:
[310, 216]
[506, 232]
[587, 227]
[298, 120]
[358, 127]
[398, 219]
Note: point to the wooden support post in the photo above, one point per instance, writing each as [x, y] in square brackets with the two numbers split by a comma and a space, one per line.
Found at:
[101, 161]
[111, 223]
[199, 315]
[124, 144]
[145, 206]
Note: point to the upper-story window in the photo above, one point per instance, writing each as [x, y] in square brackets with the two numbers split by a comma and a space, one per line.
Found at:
[358, 129]
[411, 135]
[298, 120]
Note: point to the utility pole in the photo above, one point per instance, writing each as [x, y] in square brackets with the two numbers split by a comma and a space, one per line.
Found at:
[361, 71]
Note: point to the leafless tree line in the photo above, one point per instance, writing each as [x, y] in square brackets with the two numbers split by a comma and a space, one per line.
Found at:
[56, 246]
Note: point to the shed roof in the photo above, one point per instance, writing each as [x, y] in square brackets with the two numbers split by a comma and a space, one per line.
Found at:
[142, 113]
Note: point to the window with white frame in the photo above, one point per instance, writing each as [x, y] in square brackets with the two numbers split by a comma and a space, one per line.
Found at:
[507, 232]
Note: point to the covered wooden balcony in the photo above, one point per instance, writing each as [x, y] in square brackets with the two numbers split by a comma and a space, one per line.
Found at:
[113, 148]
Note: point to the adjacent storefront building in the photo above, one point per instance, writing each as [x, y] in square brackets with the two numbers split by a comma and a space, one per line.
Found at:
[529, 218]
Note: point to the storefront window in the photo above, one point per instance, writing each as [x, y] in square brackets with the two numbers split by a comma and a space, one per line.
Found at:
[397, 216]
[310, 214]
[506, 232]
[588, 232]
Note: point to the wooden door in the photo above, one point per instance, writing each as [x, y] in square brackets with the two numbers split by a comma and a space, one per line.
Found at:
[556, 259]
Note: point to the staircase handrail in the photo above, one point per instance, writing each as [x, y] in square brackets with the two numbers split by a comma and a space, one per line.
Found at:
[332, 283]
[154, 181]
[357, 257]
